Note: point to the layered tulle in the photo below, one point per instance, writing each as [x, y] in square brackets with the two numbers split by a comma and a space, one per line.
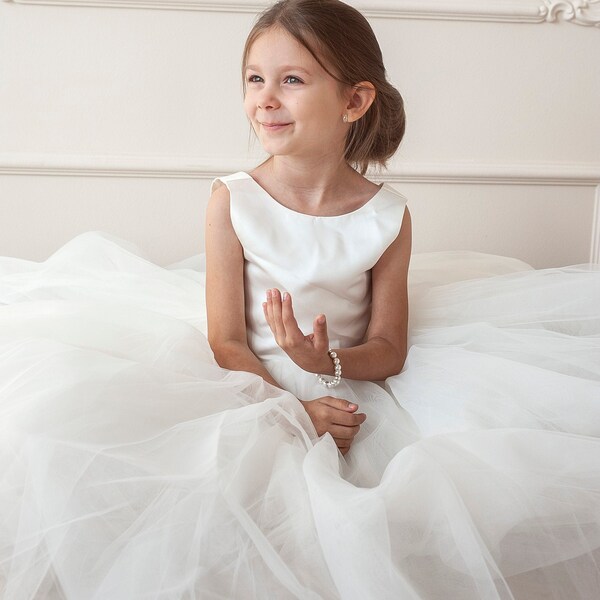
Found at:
[135, 467]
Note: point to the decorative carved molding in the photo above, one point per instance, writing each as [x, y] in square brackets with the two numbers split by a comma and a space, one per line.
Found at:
[190, 168]
[581, 12]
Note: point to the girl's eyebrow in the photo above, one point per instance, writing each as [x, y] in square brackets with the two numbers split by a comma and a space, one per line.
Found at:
[282, 68]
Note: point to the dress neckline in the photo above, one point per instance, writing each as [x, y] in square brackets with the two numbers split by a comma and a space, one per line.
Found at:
[297, 212]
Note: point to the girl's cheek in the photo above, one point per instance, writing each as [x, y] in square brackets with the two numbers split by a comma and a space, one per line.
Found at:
[248, 108]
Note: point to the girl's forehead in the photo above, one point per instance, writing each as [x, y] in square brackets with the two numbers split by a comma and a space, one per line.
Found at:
[277, 45]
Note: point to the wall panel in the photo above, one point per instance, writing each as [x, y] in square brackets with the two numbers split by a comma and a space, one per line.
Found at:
[116, 115]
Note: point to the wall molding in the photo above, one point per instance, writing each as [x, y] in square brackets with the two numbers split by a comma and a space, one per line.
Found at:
[580, 12]
[595, 246]
[201, 168]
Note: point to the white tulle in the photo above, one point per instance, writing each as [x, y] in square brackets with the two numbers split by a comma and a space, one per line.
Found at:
[132, 466]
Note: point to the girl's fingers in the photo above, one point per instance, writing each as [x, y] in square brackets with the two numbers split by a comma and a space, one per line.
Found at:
[320, 337]
[348, 419]
[282, 320]
[342, 444]
[288, 319]
[276, 305]
[268, 317]
[274, 310]
[343, 433]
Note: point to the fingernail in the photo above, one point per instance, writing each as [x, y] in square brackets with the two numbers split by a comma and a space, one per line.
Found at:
[268, 293]
[285, 296]
[321, 320]
[352, 406]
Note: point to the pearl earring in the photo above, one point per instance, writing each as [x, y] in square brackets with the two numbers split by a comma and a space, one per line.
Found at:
[345, 117]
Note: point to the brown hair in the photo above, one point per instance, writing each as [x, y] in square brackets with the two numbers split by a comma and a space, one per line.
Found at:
[343, 43]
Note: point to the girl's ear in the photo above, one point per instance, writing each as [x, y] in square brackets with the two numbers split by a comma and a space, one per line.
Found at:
[362, 96]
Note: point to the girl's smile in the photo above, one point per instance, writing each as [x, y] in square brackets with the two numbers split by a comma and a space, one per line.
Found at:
[272, 127]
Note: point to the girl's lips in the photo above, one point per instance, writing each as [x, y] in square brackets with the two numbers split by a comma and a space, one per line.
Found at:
[274, 126]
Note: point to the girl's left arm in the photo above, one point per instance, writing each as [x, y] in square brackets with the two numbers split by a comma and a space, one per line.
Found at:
[384, 350]
[385, 345]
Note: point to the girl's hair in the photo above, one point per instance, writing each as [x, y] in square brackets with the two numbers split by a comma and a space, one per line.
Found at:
[343, 43]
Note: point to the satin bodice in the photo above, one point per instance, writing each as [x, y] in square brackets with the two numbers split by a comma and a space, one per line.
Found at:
[324, 262]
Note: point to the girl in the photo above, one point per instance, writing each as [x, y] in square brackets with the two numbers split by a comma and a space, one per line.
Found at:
[307, 264]
[318, 99]
[135, 467]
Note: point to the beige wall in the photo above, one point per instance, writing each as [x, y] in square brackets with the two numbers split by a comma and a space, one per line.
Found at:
[117, 117]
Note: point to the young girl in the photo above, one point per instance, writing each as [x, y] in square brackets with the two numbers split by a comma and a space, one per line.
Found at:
[135, 467]
[307, 260]
[307, 264]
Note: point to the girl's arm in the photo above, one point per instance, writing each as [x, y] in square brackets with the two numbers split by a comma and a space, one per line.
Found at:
[225, 291]
[384, 348]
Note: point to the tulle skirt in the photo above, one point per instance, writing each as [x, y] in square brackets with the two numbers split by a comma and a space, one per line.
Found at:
[133, 466]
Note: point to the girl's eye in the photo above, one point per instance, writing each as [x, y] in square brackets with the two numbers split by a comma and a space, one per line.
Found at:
[292, 79]
[254, 79]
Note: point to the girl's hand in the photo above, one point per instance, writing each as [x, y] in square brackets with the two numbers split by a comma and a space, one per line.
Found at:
[337, 417]
[308, 351]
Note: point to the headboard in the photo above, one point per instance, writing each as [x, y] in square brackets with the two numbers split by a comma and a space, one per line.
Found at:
[121, 112]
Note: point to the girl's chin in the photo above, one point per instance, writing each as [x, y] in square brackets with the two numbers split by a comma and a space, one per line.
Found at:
[274, 149]
[274, 140]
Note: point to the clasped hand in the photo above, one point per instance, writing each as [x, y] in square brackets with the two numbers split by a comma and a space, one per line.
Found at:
[328, 414]
[336, 416]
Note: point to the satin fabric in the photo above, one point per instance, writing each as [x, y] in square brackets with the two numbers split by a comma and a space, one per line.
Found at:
[324, 262]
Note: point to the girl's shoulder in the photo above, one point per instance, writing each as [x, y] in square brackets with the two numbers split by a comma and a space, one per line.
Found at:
[224, 182]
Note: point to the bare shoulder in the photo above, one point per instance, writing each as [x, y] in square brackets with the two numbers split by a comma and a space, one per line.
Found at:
[219, 199]
[219, 233]
[218, 217]
[223, 248]
[405, 241]
[389, 299]
[406, 227]
[396, 258]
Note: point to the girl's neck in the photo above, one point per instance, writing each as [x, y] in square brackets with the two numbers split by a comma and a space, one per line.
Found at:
[313, 186]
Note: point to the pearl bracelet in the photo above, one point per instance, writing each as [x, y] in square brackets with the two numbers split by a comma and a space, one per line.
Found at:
[337, 367]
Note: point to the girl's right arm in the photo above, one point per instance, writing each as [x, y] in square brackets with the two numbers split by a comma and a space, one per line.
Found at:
[225, 291]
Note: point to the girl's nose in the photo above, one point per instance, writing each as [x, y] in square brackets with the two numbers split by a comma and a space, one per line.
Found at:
[267, 99]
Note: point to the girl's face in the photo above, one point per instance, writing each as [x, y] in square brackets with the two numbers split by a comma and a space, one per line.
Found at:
[294, 105]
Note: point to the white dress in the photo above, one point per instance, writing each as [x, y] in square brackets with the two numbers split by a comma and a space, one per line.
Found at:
[134, 467]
